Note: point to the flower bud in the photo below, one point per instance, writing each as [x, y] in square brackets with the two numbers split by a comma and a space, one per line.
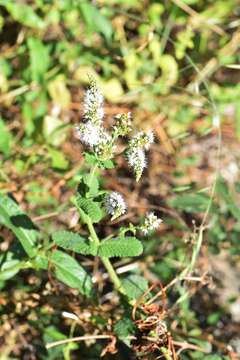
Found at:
[115, 204]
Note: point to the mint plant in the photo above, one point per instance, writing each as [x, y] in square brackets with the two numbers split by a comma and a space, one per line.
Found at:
[93, 204]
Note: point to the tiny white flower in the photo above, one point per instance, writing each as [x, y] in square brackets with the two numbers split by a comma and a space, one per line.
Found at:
[137, 161]
[151, 223]
[88, 133]
[123, 124]
[115, 205]
[150, 139]
[142, 140]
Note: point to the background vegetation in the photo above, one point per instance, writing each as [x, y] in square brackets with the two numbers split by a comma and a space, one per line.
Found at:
[174, 64]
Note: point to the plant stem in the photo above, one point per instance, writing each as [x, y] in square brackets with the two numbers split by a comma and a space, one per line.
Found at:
[106, 262]
[92, 173]
[113, 276]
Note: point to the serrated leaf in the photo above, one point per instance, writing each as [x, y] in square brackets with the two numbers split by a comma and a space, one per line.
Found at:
[91, 208]
[120, 247]
[21, 225]
[135, 286]
[71, 273]
[72, 241]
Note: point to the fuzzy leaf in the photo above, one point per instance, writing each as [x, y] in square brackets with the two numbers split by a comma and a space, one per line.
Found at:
[71, 241]
[120, 247]
[68, 270]
[91, 208]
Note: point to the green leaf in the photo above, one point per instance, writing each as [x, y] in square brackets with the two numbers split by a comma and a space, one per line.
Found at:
[226, 196]
[107, 164]
[74, 242]
[91, 208]
[21, 225]
[9, 266]
[59, 92]
[135, 286]
[68, 270]
[5, 138]
[120, 247]
[90, 158]
[54, 130]
[38, 52]
[95, 21]
[125, 328]
[58, 159]
[51, 334]
[92, 183]
[23, 14]
[191, 202]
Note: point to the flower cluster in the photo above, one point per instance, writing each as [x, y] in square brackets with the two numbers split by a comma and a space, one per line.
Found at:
[114, 204]
[92, 132]
[136, 152]
[151, 223]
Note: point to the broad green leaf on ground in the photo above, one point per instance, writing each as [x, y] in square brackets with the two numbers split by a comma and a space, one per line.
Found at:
[51, 334]
[225, 195]
[39, 59]
[74, 242]
[5, 138]
[125, 328]
[54, 130]
[191, 202]
[135, 286]
[58, 159]
[21, 225]
[59, 92]
[23, 13]
[120, 247]
[9, 266]
[71, 273]
[94, 20]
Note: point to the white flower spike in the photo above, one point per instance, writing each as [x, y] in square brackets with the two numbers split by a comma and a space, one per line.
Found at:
[93, 104]
[136, 154]
[137, 161]
[150, 224]
[115, 204]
